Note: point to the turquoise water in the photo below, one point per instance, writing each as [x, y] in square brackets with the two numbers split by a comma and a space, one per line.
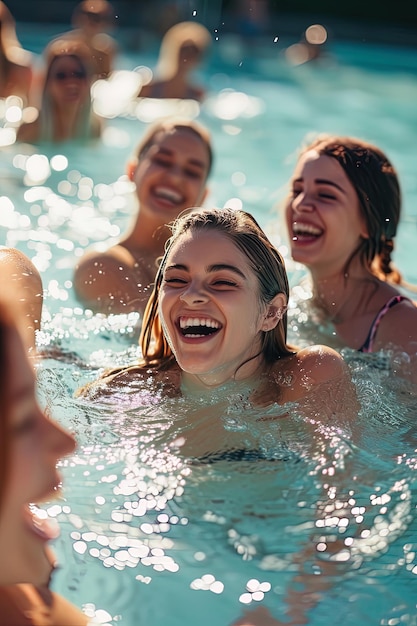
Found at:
[149, 537]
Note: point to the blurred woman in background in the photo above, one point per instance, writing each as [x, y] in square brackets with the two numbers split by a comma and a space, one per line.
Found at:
[182, 50]
[170, 170]
[65, 106]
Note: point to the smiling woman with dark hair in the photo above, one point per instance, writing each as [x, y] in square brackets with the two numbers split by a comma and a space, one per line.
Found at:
[342, 215]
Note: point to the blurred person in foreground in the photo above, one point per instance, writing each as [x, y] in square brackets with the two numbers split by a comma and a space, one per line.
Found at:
[19, 274]
[31, 444]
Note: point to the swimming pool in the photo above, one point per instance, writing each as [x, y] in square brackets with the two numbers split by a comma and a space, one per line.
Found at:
[148, 537]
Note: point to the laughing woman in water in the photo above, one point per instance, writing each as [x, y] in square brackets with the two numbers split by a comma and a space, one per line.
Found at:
[342, 215]
[169, 170]
[215, 325]
[214, 340]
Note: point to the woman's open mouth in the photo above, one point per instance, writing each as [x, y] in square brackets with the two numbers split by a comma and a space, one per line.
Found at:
[195, 327]
[303, 231]
[168, 195]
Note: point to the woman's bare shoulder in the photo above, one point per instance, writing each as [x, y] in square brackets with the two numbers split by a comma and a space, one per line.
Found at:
[318, 378]
[398, 328]
[319, 362]
[112, 257]
[111, 281]
[293, 378]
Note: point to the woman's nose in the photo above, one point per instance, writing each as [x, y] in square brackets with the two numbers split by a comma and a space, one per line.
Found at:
[175, 171]
[60, 440]
[194, 294]
[303, 203]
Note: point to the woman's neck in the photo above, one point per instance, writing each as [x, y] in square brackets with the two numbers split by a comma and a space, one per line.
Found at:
[147, 236]
[247, 375]
[339, 295]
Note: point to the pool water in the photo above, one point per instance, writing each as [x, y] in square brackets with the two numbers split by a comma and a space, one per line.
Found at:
[149, 536]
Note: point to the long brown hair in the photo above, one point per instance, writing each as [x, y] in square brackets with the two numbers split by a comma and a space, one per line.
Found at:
[265, 260]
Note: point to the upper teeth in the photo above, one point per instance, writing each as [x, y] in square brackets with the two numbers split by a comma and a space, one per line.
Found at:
[305, 228]
[170, 194]
[186, 322]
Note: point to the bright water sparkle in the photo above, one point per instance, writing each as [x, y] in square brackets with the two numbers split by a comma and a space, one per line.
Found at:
[147, 537]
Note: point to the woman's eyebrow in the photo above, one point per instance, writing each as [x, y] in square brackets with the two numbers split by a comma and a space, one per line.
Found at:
[176, 266]
[324, 181]
[321, 181]
[216, 267]
[225, 266]
[168, 152]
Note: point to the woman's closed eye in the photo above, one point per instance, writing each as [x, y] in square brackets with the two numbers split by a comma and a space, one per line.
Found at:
[320, 194]
[327, 195]
[297, 191]
[224, 282]
[193, 173]
[161, 160]
[216, 283]
[175, 281]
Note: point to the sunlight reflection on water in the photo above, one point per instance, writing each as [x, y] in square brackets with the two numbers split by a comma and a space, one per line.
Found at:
[143, 527]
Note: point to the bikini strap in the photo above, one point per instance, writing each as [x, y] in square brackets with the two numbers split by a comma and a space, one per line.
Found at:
[369, 341]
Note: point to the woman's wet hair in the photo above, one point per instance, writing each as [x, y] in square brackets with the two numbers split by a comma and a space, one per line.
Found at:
[378, 189]
[169, 125]
[265, 260]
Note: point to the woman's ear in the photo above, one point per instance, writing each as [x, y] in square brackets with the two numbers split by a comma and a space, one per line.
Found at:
[275, 311]
[131, 168]
[364, 229]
